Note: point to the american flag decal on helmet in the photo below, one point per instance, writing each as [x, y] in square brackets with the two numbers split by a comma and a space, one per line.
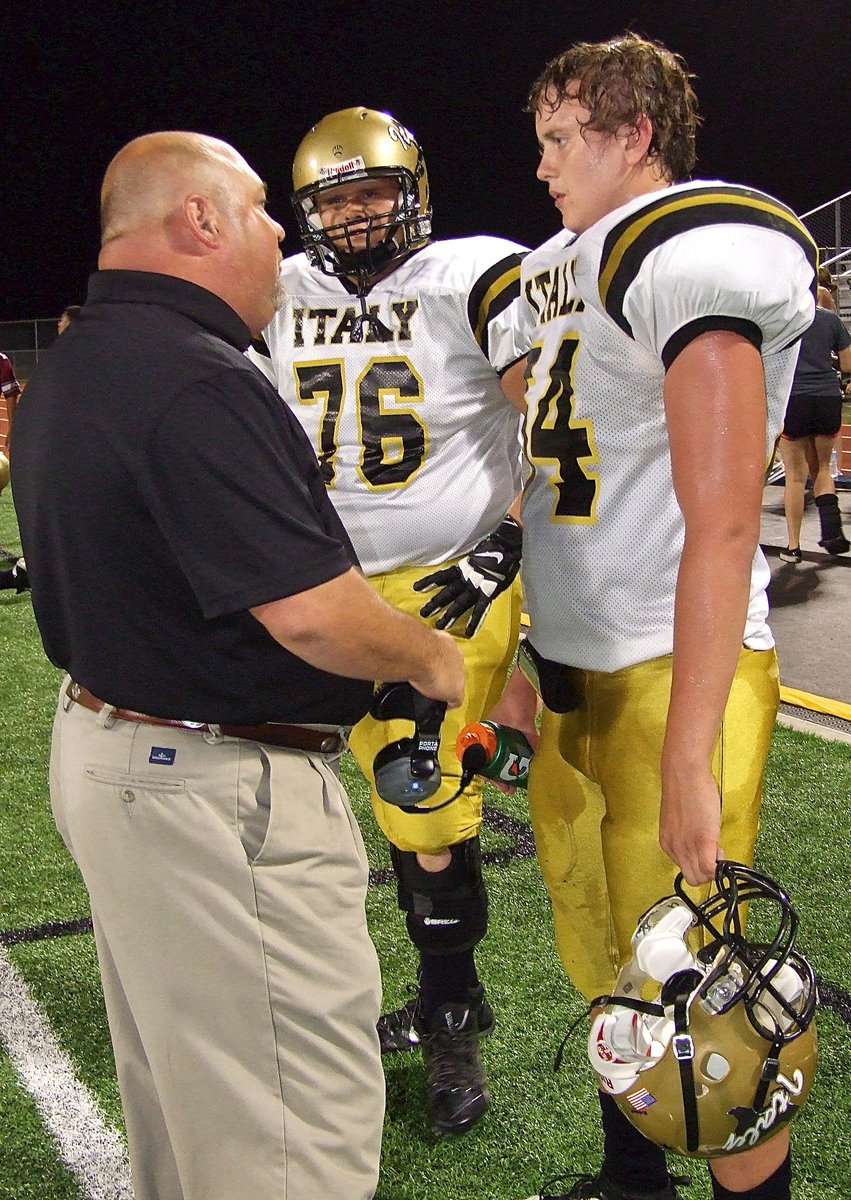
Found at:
[641, 1099]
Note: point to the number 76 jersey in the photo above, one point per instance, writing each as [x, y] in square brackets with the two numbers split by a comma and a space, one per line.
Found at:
[418, 445]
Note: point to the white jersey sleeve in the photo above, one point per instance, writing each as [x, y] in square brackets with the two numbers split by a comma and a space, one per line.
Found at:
[708, 256]
[263, 363]
[418, 445]
[753, 280]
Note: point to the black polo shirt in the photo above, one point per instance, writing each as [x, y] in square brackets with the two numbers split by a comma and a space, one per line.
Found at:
[162, 489]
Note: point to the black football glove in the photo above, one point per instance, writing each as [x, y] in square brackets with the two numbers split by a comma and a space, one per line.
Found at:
[473, 582]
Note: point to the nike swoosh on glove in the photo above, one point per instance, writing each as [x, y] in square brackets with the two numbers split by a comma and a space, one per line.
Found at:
[473, 582]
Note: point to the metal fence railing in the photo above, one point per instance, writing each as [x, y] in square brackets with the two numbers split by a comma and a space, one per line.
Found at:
[23, 341]
[830, 226]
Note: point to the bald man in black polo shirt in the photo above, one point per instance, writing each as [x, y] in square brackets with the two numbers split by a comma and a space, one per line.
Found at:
[191, 576]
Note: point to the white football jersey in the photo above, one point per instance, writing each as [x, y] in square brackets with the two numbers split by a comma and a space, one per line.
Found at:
[607, 311]
[419, 447]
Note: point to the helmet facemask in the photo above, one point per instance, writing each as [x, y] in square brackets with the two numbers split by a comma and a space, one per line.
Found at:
[332, 249]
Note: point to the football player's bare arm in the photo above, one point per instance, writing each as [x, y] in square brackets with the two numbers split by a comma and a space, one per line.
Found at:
[518, 706]
[513, 383]
[715, 408]
[345, 627]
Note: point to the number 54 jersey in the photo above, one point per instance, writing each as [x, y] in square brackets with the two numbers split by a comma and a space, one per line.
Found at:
[418, 445]
[608, 311]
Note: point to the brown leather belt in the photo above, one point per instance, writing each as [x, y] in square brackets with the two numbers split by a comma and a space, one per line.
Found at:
[270, 733]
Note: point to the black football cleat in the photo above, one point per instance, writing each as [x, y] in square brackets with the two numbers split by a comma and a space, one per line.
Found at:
[836, 545]
[597, 1187]
[397, 1029]
[457, 1090]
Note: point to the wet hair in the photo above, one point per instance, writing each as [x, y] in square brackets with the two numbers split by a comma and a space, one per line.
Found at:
[621, 81]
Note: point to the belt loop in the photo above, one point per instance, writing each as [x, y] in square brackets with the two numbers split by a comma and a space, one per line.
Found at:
[339, 744]
[105, 719]
[213, 734]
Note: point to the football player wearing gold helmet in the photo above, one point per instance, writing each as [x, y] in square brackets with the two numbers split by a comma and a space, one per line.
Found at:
[400, 357]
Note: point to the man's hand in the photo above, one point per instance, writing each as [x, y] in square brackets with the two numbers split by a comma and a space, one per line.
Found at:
[690, 821]
[473, 583]
[518, 706]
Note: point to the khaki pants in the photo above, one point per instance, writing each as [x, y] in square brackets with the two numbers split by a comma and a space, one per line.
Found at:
[227, 883]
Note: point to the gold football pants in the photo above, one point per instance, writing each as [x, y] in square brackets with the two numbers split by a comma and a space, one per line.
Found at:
[488, 656]
[595, 794]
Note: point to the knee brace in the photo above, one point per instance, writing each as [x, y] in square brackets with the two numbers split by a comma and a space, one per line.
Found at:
[447, 911]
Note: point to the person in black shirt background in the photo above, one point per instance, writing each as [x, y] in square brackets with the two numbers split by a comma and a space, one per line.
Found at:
[813, 418]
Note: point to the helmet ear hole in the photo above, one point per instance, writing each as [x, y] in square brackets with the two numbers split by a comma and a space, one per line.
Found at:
[715, 1067]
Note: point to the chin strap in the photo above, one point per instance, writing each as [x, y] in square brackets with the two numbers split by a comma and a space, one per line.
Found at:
[365, 317]
[683, 1047]
[770, 1071]
[643, 1006]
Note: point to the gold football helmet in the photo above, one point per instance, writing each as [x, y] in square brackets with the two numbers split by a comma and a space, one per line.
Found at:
[347, 147]
[710, 1052]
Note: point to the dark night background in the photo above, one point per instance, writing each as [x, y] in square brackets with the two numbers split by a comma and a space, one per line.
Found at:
[79, 80]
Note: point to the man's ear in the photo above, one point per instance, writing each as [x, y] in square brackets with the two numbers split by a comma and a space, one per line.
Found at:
[636, 139]
[202, 220]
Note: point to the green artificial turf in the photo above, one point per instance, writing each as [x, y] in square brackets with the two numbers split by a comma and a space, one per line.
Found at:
[540, 1123]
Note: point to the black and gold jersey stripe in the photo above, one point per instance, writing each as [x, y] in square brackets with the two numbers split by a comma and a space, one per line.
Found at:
[630, 241]
[491, 294]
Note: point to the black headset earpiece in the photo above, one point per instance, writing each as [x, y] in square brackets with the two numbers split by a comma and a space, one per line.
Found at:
[393, 702]
[407, 771]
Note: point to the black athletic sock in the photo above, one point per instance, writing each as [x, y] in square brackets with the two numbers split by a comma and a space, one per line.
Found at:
[445, 979]
[777, 1187]
[830, 517]
[630, 1159]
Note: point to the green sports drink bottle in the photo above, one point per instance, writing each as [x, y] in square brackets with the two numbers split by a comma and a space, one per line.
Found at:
[494, 751]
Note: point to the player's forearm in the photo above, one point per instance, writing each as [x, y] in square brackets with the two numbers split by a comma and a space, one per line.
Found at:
[345, 627]
[717, 465]
[713, 589]
[518, 706]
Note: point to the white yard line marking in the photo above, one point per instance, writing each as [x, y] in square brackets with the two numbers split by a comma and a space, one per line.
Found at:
[89, 1146]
